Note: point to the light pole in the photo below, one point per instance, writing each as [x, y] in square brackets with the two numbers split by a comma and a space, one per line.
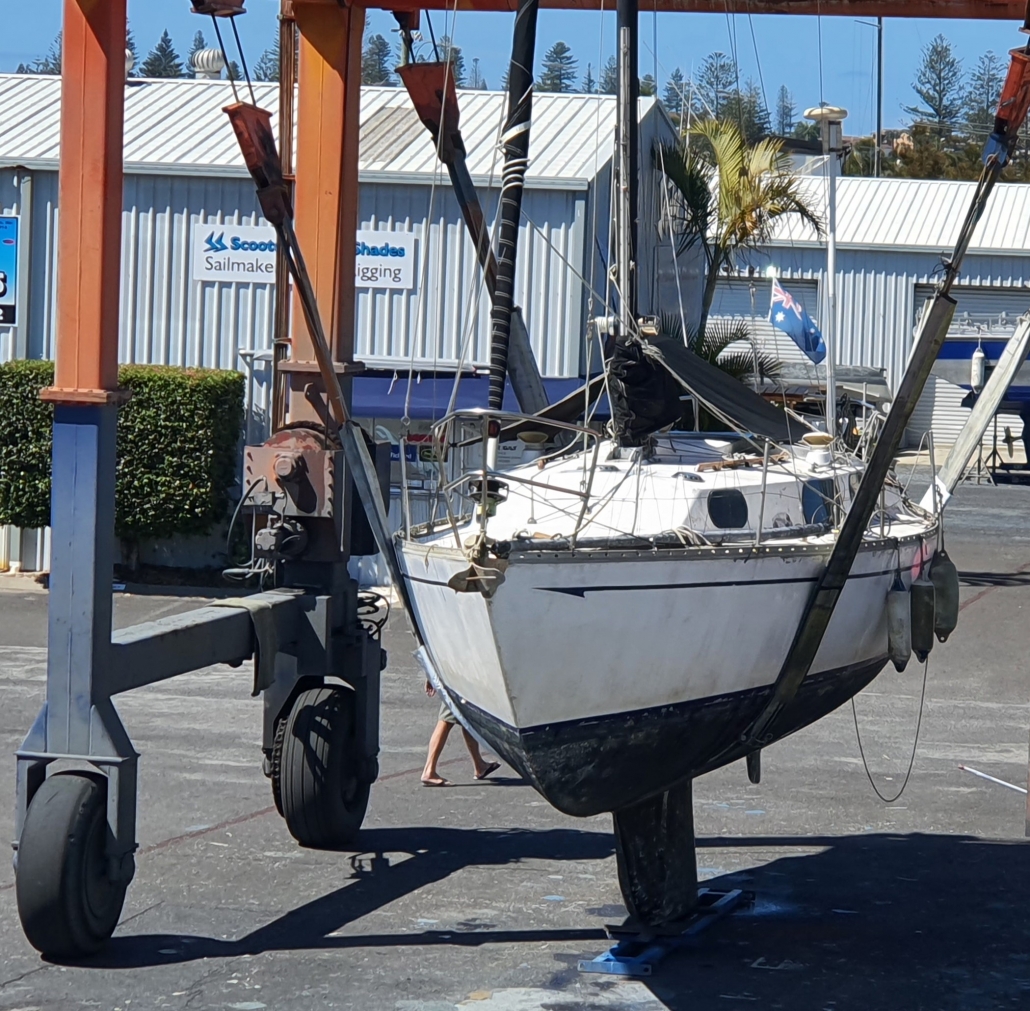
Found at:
[831, 119]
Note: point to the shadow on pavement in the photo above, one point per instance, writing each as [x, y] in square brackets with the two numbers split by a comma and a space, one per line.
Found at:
[870, 922]
[873, 921]
[994, 578]
[436, 853]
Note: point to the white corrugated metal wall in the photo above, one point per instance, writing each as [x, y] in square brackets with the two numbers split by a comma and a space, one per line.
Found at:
[879, 294]
[448, 310]
[992, 312]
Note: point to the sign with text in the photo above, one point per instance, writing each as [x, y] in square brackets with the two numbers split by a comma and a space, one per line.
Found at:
[385, 260]
[8, 271]
[234, 254]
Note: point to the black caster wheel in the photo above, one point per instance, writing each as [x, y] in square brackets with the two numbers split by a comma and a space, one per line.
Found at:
[68, 904]
[321, 789]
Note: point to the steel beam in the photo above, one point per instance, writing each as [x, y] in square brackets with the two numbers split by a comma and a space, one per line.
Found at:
[89, 240]
[157, 650]
[999, 10]
[326, 218]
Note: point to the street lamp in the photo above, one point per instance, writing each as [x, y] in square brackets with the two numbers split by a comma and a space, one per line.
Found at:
[831, 125]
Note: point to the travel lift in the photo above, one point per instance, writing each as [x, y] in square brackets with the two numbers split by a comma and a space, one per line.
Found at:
[317, 480]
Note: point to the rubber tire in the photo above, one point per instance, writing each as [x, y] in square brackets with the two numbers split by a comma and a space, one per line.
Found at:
[277, 764]
[67, 904]
[323, 797]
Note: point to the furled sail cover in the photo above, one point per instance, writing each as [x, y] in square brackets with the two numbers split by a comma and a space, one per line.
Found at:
[649, 376]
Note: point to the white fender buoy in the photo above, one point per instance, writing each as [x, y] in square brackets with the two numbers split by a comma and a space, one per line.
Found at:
[899, 625]
[923, 606]
[944, 576]
[978, 370]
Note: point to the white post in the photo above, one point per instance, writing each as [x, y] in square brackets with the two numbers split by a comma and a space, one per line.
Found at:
[831, 119]
[831, 300]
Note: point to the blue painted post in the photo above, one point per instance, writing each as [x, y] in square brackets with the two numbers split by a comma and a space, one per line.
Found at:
[81, 570]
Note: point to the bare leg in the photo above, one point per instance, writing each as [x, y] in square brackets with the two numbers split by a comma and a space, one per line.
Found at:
[440, 733]
[482, 766]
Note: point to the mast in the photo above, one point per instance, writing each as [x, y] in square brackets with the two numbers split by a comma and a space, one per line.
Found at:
[626, 165]
[878, 160]
[515, 143]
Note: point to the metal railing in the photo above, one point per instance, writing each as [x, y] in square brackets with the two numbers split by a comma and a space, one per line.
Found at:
[471, 485]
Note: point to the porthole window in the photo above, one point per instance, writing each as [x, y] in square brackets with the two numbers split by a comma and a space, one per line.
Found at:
[816, 497]
[727, 509]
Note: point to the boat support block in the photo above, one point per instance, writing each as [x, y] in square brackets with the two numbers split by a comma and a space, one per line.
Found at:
[654, 848]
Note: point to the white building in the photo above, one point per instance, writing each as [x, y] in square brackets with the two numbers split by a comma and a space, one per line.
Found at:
[185, 181]
[891, 237]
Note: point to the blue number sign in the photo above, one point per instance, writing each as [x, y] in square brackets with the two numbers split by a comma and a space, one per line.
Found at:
[8, 271]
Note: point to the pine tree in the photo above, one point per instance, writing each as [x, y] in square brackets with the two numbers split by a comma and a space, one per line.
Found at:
[589, 84]
[376, 62]
[716, 82]
[198, 44]
[609, 83]
[939, 84]
[130, 45]
[673, 97]
[647, 85]
[49, 64]
[233, 72]
[786, 112]
[746, 108]
[476, 79]
[267, 67]
[559, 69]
[451, 53]
[163, 60]
[982, 94]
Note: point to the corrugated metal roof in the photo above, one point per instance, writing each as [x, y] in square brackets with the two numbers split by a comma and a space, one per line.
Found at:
[171, 127]
[176, 127]
[914, 214]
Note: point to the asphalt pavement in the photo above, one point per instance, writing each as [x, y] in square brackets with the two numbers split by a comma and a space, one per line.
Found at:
[481, 895]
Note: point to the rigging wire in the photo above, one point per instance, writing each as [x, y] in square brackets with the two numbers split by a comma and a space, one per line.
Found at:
[758, 60]
[225, 57]
[592, 241]
[436, 51]
[243, 59]
[819, 28]
[915, 743]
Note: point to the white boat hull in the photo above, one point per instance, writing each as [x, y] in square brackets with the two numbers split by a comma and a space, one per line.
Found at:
[656, 662]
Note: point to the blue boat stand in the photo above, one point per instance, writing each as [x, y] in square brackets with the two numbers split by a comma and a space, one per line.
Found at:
[637, 952]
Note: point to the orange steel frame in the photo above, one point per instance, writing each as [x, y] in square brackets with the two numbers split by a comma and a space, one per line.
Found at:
[89, 242]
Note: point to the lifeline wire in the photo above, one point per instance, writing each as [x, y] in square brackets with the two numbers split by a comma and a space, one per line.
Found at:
[915, 743]
[225, 56]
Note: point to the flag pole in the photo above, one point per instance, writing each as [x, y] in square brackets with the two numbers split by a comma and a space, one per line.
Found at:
[830, 120]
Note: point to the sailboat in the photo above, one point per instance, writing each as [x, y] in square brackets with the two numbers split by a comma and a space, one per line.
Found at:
[622, 611]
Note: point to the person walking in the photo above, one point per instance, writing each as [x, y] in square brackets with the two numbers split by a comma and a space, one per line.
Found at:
[444, 722]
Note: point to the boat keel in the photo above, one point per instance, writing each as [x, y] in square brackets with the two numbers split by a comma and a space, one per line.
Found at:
[654, 849]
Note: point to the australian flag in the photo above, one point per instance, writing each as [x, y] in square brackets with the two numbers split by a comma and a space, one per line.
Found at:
[788, 315]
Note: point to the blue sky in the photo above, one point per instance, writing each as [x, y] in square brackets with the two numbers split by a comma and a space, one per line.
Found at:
[787, 47]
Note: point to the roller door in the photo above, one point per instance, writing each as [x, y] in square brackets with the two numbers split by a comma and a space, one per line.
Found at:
[984, 315]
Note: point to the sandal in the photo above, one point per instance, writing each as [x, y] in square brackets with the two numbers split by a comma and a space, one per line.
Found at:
[491, 768]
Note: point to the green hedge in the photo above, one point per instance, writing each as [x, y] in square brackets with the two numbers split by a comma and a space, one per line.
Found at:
[178, 438]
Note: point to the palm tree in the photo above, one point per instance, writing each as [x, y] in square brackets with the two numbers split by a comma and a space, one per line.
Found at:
[726, 196]
[713, 345]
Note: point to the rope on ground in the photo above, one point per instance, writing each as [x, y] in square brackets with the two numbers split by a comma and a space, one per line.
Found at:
[915, 744]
